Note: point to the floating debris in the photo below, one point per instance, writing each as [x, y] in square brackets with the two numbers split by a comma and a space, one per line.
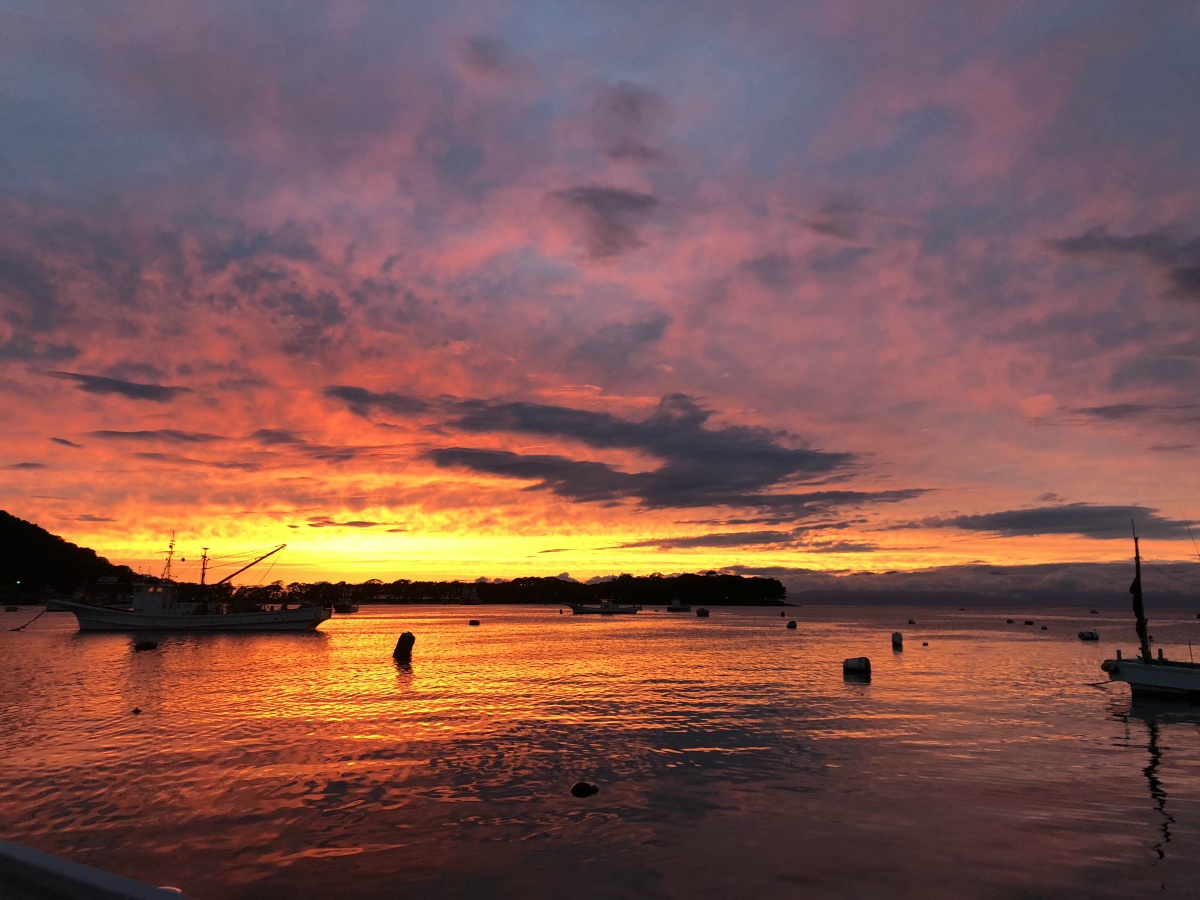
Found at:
[136, 711]
[584, 789]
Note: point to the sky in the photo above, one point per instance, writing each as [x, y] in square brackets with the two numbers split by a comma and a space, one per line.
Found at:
[484, 289]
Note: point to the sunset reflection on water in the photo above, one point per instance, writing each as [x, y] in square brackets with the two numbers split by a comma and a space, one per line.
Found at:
[732, 757]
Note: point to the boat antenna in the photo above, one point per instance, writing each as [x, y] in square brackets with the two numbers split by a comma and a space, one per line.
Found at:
[203, 564]
[1139, 610]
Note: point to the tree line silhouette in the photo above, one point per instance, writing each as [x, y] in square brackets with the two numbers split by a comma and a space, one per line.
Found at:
[710, 589]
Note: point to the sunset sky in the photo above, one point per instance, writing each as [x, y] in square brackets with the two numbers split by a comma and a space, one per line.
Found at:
[479, 289]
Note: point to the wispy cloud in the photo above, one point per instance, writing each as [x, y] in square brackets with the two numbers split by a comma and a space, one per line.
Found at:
[1177, 260]
[610, 217]
[99, 384]
[362, 402]
[168, 435]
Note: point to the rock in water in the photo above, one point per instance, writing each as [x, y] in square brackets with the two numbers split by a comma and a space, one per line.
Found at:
[404, 646]
[584, 789]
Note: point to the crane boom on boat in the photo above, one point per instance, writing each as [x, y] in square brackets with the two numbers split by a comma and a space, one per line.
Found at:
[204, 565]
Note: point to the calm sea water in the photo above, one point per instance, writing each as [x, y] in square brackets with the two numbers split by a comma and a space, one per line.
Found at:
[732, 758]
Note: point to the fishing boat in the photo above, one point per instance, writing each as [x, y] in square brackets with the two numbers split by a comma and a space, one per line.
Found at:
[606, 608]
[679, 606]
[154, 606]
[345, 606]
[1151, 677]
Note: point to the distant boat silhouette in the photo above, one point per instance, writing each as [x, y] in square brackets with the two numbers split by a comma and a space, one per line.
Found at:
[605, 608]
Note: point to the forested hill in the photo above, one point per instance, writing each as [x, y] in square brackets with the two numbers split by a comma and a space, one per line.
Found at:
[38, 559]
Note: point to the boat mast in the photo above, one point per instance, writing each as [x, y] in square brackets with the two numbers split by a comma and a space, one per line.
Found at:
[1139, 611]
[166, 575]
[203, 564]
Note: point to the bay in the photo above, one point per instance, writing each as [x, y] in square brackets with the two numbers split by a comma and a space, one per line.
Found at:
[732, 757]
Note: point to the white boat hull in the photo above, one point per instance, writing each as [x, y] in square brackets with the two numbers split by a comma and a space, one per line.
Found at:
[99, 618]
[1156, 679]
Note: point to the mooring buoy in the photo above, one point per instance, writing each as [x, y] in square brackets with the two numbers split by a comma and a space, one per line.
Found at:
[404, 647]
[584, 789]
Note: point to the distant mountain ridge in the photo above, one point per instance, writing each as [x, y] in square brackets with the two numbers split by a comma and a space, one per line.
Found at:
[37, 559]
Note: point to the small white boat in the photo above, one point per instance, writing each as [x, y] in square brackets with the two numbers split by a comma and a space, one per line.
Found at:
[678, 606]
[606, 608]
[1149, 677]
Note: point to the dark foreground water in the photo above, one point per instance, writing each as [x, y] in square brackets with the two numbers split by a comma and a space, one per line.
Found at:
[732, 758]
